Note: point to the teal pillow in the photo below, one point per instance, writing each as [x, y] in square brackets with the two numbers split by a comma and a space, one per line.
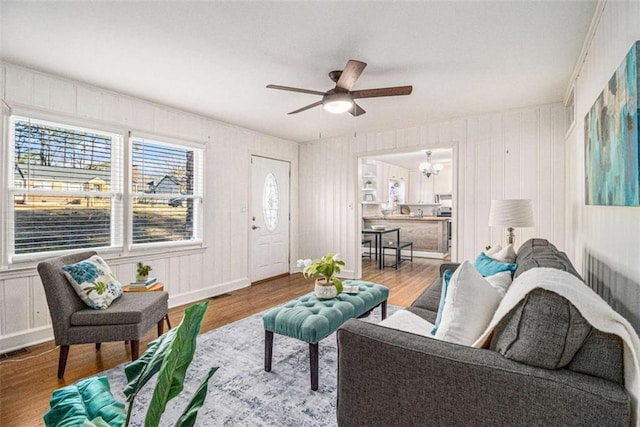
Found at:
[488, 266]
[88, 402]
[445, 284]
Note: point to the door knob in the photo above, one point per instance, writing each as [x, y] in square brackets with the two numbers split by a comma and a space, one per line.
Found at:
[254, 227]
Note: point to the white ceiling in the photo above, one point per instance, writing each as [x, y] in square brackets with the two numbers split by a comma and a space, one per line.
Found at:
[215, 58]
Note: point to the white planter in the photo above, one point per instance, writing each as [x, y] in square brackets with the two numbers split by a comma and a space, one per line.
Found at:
[324, 290]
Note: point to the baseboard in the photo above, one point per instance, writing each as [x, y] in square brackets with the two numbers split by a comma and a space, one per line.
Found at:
[42, 334]
[347, 274]
[416, 254]
[212, 291]
[26, 338]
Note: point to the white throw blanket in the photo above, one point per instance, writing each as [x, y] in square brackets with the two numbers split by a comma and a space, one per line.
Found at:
[593, 308]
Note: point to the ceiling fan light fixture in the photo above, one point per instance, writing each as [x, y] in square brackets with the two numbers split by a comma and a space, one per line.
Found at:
[337, 103]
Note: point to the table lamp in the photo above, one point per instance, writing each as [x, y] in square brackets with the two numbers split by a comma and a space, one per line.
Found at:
[511, 213]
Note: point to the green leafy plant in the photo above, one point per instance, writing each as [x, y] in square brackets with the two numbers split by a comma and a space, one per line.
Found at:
[143, 270]
[327, 267]
[90, 403]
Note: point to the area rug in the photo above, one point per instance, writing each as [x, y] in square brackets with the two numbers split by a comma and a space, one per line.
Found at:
[241, 393]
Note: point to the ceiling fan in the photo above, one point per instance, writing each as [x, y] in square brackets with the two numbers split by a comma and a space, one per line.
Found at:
[341, 98]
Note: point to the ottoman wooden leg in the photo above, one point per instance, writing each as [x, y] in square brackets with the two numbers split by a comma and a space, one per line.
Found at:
[383, 308]
[268, 350]
[313, 358]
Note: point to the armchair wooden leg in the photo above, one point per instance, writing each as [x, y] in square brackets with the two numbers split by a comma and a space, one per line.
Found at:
[62, 361]
[135, 349]
[98, 345]
[161, 327]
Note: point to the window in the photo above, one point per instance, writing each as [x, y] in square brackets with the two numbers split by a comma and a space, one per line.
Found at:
[270, 202]
[67, 190]
[166, 192]
[64, 188]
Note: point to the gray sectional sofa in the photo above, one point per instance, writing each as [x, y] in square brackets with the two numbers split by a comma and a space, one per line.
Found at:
[574, 378]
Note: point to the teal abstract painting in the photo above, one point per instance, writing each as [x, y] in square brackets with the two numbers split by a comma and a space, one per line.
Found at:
[612, 142]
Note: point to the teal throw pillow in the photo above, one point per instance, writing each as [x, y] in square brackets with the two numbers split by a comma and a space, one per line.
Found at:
[488, 266]
[94, 282]
[445, 284]
[88, 402]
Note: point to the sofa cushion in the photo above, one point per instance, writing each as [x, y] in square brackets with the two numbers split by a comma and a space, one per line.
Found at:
[430, 298]
[543, 330]
[600, 356]
[131, 308]
[540, 253]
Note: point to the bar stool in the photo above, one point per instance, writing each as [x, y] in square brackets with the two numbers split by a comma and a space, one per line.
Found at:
[368, 243]
[397, 247]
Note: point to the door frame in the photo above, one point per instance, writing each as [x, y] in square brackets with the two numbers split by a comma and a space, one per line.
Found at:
[453, 145]
[250, 207]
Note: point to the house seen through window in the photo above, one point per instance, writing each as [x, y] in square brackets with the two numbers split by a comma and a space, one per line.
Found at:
[63, 187]
[165, 185]
[68, 189]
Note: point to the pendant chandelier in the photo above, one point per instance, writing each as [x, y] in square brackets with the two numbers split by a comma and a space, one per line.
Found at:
[427, 168]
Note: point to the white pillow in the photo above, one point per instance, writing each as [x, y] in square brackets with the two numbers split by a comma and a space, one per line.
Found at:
[500, 282]
[469, 306]
[506, 254]
[492, 250]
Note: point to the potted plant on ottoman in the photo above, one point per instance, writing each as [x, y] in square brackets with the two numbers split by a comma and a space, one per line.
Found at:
[324, 270]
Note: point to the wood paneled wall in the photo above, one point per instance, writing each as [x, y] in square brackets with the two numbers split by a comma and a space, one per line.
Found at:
[219, 266]
[603, 239]
[513, 154]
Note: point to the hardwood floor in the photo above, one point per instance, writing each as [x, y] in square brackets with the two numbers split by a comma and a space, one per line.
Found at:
[26, 385]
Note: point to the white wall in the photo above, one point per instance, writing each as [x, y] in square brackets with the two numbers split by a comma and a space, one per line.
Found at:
[219, 266]
[604, 241]
[512, 154]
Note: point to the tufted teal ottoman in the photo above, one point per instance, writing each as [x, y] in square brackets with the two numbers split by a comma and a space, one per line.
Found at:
[310, 319]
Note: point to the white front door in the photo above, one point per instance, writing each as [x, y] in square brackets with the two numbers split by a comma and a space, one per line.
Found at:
[269, 218]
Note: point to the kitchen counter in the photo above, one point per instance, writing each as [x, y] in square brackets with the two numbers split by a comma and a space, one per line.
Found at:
[406, 218]
[428, 233]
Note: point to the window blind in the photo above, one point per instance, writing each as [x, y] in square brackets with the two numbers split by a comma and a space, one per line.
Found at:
[166, 192]
[65, 191]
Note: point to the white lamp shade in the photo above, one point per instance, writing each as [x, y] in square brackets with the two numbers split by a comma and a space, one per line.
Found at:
[424, 166]
[511, 213]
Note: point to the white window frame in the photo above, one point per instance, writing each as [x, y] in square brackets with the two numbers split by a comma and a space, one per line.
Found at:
[197, 196]
[121, 192]
[115, 193]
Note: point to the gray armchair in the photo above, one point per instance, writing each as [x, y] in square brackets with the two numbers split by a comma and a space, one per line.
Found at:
[128, 318]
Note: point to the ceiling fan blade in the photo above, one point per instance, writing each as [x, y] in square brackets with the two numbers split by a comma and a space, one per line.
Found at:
[350, 74]
[357, 110]
[383, 91]
[315, 104]
[295, 89]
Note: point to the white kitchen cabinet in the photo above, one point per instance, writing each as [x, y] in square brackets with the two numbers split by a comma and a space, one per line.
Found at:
[415, 187]
[443, 182]
[369, 183]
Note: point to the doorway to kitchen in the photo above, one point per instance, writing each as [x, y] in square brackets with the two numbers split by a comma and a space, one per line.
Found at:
[414, 191]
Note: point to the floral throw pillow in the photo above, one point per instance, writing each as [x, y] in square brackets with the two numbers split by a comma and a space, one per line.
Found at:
[94, 282]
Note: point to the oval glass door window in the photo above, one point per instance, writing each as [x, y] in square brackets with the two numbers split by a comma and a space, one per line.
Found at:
[270, 202]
